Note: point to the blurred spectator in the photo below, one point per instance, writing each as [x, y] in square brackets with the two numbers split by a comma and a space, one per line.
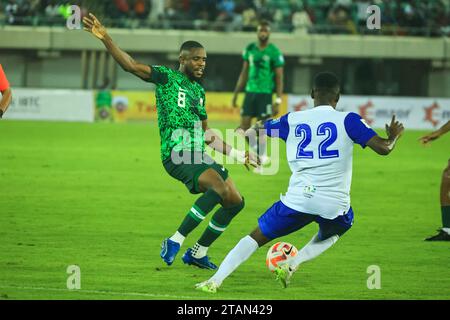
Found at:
[301, 21]
[52, 12]
[249, 19]
[156, 12]
[141, 11]
[339, 18]
[11, 11]
[225, 9]
[361, 13]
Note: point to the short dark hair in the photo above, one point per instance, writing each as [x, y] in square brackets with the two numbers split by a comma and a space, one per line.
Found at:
[326, 87]
[264, 23]
[326, 82]
[190, 44]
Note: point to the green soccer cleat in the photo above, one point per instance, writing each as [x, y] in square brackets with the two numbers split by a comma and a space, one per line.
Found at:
[207, 286]
[283, 275]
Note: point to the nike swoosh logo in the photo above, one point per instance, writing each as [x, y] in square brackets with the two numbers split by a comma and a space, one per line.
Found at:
[289, 251]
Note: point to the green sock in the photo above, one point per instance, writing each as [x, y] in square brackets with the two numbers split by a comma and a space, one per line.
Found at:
[219, 223]
[445, 210]
[199, 210]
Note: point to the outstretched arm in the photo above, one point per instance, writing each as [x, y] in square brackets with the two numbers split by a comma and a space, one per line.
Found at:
[92, 25]
[215, 142]
[436, 134]
[242, 80]
[385, 146]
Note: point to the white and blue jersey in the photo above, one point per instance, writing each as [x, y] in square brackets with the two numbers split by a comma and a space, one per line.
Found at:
[319, 148]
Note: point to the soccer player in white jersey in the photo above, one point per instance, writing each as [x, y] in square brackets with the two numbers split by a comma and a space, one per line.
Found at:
[319, 148]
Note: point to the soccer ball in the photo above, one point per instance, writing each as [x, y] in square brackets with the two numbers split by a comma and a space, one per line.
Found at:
[280, 253]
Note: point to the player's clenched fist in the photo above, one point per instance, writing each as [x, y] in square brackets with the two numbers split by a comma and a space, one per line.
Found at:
[92, 25]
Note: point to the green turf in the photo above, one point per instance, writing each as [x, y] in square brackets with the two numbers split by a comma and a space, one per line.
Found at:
[96, 195]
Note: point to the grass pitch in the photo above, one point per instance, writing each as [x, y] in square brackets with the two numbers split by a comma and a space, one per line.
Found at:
[97, 196]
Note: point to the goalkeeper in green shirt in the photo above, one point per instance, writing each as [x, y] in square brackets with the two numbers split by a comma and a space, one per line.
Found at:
[262, 73]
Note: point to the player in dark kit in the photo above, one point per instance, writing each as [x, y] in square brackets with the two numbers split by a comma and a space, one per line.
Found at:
[182, 121]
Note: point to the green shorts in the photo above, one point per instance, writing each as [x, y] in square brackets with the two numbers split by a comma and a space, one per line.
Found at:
[257, 105]
[187, 168]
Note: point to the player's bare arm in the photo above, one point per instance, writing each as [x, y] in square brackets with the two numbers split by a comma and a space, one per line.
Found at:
[384, 146]
[436, 134]
[93, 25]
[279, 90]
[216, 143]
[5, 101]
[242, 80]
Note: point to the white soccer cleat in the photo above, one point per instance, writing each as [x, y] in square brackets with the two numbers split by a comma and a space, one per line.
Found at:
[258, 170]
[265, 160]
[207, 286]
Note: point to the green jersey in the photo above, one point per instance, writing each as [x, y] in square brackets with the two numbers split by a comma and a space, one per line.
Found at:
[261, 67]
[180, 104]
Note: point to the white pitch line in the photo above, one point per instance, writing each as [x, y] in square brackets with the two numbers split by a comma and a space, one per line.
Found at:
[139, 294]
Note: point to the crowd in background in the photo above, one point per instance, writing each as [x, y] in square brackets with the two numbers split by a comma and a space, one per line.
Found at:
[400, 17]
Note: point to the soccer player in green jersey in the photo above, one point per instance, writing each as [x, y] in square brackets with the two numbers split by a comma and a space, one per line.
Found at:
[444, 232]
[182, 121]
[262, 72]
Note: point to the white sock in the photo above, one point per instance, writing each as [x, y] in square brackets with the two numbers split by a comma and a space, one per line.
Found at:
[262, 145]
[199, 251]
[178, 237]
[239, 254]
[313, 249]
[252, 139]
[446, 230]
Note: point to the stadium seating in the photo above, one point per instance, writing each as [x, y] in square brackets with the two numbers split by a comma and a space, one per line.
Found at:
[413, 17]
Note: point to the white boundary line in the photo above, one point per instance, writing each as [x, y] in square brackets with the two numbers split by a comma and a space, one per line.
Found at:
[114, 293]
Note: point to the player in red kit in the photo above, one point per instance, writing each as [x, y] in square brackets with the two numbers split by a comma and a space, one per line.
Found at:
[6, 92]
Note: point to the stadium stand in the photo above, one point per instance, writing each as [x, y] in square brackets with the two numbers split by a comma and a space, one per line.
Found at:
[399, 17]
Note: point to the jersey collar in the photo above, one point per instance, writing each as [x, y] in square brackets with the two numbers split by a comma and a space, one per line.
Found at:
[323, 107]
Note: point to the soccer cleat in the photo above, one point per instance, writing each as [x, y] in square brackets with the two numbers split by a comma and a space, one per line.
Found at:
[207, 286]
[441, 236]
[283, 275]
[202, 263]
[169, 250]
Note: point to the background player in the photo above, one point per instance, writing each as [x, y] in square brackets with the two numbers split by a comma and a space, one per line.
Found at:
[444, 232]
[181, 110]
[263, 62]
[6, 93]
[319, 148]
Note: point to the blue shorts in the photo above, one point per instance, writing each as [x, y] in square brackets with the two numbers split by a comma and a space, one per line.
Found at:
[280, 220]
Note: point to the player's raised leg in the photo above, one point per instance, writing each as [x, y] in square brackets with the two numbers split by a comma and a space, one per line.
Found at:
[232, 204]
[238, 255]
[212, 195]
[329, 233]
[194, 217]
[444, 232]
[277, 221]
